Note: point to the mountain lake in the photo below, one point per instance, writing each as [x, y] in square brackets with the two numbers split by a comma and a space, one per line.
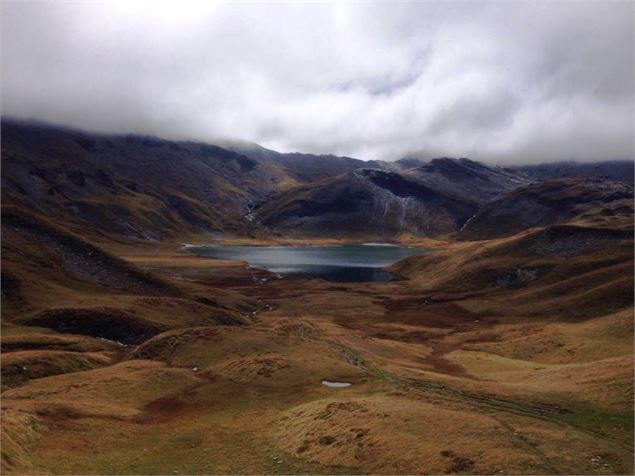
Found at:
[338, 263]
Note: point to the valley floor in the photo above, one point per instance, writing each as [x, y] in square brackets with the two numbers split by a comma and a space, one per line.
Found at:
[444, 380]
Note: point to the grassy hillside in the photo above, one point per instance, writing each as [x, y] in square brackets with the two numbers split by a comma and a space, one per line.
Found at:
[506, 356]
[54, 282]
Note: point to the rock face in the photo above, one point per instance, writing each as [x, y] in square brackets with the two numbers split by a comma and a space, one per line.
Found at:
[468, 179]
[429, 199]
[545, 203]
[366, 202]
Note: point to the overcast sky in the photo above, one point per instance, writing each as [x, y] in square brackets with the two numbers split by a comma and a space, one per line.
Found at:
[507, 82]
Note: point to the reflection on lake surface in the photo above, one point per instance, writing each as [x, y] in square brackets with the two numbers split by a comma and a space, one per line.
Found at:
[341, 263]
[328, 383]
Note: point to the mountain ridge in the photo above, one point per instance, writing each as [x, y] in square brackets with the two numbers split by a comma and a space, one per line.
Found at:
[140, 187]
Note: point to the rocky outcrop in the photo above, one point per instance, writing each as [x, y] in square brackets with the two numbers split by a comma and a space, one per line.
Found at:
[366, 202]
[545, 203]
[468, 179]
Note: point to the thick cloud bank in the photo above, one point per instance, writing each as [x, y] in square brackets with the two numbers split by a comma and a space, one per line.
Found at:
[510, 82]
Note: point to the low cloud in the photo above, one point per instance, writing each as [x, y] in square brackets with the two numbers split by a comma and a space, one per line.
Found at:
[511, 82]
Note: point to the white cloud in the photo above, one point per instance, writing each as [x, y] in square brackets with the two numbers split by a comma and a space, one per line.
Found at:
[504, 82]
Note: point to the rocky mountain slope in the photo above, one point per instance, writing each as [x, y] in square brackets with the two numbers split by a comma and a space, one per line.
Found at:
[366, 202]
[468, 179]
[616, 170]
[548, 203]
[429, 199]
[145, 187]
[130, 186]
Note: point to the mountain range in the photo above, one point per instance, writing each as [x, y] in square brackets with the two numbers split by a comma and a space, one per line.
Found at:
[138, 187]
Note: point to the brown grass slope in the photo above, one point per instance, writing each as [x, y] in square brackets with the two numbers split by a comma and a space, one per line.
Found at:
[56, 282]
[36, 252]
[70, 307]
[449, 375]
[567, 271]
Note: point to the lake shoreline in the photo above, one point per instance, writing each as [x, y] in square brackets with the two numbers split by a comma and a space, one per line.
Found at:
[337, 263]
